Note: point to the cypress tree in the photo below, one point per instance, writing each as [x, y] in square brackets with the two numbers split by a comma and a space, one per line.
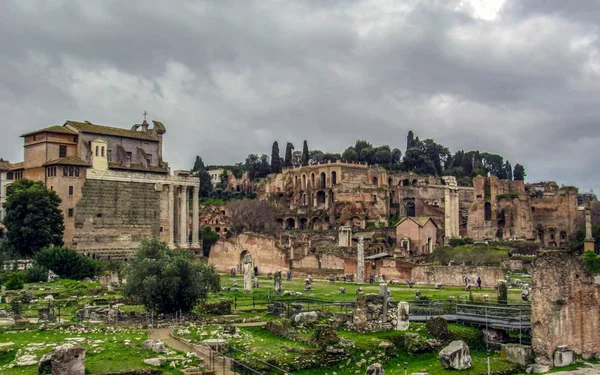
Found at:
[289, 148]
[275, 159]
[305, 156]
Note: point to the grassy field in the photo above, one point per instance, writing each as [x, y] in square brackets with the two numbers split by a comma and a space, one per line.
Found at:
[259, 346]
[119, 349]
[108, 349]
[323, 290]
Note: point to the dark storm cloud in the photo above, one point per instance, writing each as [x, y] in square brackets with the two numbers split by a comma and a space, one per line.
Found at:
[230, 77]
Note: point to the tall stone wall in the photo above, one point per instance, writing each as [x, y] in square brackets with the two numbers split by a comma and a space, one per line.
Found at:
[565, 306]
[112, 217]
[455, 275]
[266, 253]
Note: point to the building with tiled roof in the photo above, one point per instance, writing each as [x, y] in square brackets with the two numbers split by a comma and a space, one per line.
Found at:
[114, 185]
[416, 236]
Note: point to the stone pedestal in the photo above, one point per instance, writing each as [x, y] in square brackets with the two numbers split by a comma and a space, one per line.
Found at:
[563, 356]
[588, 245]
[402, 317]
[516, 353]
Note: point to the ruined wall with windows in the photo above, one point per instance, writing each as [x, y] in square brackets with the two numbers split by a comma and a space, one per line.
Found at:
[328, 195]
[512, 209]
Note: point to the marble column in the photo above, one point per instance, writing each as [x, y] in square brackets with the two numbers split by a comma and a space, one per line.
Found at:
[589, 244]
[360, 261]
[195, 218]
[171, 216]
[183, 218]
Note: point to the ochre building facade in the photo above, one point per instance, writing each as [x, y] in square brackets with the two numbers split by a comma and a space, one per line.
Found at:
[114, 185]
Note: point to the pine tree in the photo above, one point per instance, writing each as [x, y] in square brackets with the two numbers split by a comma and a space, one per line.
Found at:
[519, 173]
[275, 159]
[508, 170]
[289, 149]
[410, 140]
[198, 164]
[305, 155]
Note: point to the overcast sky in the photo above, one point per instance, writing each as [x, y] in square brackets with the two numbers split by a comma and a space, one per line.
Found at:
[227, 78]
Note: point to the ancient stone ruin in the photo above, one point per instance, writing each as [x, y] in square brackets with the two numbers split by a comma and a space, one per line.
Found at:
[456, 356]
[565, 307]
[373, 313]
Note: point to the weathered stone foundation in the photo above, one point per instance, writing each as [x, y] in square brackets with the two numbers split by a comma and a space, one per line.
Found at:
[566, 306]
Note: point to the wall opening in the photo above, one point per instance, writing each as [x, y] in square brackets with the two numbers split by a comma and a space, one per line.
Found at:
[487, 211]
[410, 209]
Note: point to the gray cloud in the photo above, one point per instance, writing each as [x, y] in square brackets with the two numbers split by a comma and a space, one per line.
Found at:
[230, 77]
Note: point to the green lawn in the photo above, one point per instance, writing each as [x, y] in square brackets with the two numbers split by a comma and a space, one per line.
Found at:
[108, 349]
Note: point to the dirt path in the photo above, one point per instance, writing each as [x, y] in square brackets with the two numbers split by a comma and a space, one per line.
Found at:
[219, 364]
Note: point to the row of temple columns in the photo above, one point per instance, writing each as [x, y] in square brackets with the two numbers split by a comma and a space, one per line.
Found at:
[181, 203]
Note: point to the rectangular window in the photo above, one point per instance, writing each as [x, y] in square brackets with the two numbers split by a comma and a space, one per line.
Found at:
[70, 191]
[70, 212]
[34, 139]
[65, 171]
[108, 154]
[52, 188]
[62, 151]
[9, 176]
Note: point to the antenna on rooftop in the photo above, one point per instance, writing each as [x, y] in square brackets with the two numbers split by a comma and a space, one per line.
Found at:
[145, 114]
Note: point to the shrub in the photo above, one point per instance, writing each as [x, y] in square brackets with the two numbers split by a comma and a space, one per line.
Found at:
[438, 328]
[167, 281]
[592, 261]
[66, 263]
[37, 273]
[15, 281]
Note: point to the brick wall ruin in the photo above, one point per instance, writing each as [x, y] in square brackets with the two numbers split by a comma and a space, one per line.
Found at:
[454, 275]
[266, 252]
[565, 306]
[112, 217]
[506, 210]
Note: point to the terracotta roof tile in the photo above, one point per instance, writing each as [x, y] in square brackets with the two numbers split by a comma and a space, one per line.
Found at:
[52, 129]
[70, 160]
[88, 127]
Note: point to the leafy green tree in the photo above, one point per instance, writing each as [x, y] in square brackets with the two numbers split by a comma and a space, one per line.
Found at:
[275, 159]
[316, 156]
[305, 156]
[66, 263]
[209, 238]
[331, 157]
[257, 167]
[577, 240]
[167, 281]
[33, 219]
[350, 155]
[519, 173]
[205, 185]
[289, 149]
[198, 165]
